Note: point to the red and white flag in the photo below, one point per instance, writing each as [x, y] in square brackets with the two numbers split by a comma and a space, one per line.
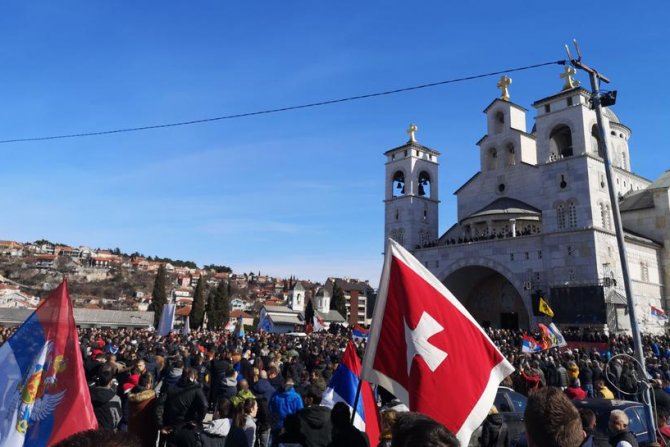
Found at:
[319, 324]
[427, 350]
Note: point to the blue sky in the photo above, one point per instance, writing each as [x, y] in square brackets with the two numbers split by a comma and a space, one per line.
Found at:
[292, 193]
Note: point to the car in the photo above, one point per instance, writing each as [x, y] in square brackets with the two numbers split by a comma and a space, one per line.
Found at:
[634, 410]
[511, 406]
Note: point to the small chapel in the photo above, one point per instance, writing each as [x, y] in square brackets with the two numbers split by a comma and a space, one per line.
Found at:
[535, 220]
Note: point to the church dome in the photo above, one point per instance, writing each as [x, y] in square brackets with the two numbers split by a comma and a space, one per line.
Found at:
[611, 116]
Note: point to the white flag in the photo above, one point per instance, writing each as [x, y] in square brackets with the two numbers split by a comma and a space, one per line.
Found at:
[167, 320]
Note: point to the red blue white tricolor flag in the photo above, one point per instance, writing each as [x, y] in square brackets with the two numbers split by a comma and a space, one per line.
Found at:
[43, 390]
[342, 388]
[658, 313]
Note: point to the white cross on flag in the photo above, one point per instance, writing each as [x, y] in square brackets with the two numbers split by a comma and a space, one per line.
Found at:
[452, 368]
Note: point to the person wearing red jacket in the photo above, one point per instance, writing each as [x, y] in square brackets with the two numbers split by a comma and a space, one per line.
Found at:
[574, 390]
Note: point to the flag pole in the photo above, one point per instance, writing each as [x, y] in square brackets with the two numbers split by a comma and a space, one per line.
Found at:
[358, 396]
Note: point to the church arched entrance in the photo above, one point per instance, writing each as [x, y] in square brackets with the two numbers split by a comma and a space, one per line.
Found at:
[489, 297]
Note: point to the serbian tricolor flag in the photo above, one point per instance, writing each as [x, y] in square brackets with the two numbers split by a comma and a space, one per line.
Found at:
[44, 395]
[360, 332]
[342, 388]
[658, 313]
[427, 350]
[529, 344]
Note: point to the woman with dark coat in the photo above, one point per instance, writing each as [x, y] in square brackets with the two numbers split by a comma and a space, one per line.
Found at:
[142, 410]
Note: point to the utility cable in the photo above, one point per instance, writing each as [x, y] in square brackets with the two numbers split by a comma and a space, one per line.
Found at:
[282, 109]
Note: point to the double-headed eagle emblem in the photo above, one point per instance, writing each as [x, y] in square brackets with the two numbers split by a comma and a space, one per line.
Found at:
[36, 395]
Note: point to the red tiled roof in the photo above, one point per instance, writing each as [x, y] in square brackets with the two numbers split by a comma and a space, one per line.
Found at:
[183, 311]
[239, 313]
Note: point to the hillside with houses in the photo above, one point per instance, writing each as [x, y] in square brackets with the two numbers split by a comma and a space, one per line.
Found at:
[108, 279]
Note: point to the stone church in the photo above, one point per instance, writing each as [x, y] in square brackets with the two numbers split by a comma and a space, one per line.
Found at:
[535, 220]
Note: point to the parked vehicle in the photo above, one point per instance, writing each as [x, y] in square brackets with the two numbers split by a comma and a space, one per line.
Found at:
[511, 405]
[634, 411]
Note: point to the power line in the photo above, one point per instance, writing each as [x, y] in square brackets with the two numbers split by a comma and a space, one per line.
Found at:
[282, 109]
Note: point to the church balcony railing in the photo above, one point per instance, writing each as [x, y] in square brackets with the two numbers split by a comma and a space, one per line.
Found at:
[480, 238]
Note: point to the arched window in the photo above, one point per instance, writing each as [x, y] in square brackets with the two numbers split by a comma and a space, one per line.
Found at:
[493, 159]
[424, 184]
[596, 147]
[424, 238]
[560, 216]
[572, 214]
[499, 122]
[398, 184]
[624, 163]
[560, 142]
[511, 160]
[398, 235]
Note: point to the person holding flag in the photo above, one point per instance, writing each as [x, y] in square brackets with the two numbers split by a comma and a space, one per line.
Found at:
[347, 387]
[422, 340]
[45, 394]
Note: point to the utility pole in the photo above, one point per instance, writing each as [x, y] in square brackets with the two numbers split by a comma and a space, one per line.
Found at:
[598, 100]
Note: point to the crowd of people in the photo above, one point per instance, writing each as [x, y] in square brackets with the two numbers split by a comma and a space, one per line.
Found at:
[209, 388]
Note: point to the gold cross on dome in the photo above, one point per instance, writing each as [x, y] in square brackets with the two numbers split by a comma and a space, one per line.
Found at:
[411, 131]
[503, 85]
[569, 81]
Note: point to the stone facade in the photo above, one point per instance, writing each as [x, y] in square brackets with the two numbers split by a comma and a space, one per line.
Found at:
[536, 220]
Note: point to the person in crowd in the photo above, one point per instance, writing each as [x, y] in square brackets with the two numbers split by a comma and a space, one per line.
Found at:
[387, 420]
[593, 437]
[586, 377]
[551, 420]
[275, 378]
[495, 432]
[661, 398]
[417, 430]
[663, 427]
[574, 390]
[291, 435]
[228, 388]
[243, 393]
[215, 432]
[602, 391]
[181, 406]
[142, 411]
[245, 414]
[262, 387]
[284, 402]
[315, 419]
[621, 434]
[100, 438]
[344, 434]
[106, 403]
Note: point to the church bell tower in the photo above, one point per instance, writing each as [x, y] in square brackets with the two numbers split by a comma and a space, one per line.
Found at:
[411, 198]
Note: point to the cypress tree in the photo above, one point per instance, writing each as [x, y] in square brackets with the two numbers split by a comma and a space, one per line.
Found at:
[198, 310]
[337, 302]
[159, 295]
[309, 313]
[218, 306]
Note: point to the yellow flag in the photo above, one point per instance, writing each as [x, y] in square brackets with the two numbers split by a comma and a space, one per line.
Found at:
[545, 309]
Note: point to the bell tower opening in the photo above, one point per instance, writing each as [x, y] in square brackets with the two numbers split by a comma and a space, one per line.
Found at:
[398, 186]
[424, 184]
[560, 142]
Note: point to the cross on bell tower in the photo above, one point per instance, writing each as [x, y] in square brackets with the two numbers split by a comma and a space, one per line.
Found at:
[503, 85]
